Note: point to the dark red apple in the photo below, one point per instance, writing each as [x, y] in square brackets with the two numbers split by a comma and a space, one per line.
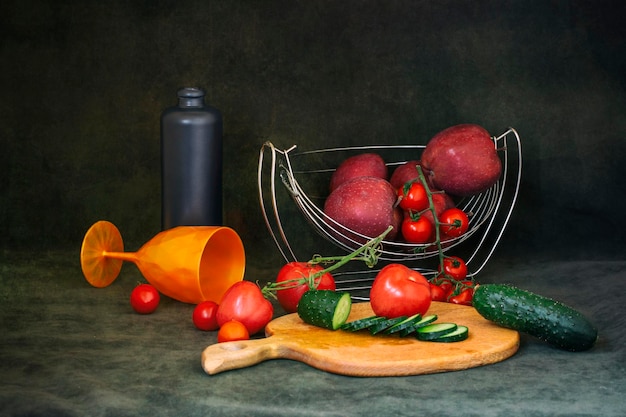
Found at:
[404, 173]
[362, 165]
[442, 202]
[365, 205]
[462, 160]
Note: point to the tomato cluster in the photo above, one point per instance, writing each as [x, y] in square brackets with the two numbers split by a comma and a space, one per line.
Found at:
[451, 283]
[243, 311]
[418, 225]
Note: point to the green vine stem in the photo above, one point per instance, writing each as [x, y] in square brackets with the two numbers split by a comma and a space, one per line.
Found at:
[459, 286]
[367, 253]
[429, 194]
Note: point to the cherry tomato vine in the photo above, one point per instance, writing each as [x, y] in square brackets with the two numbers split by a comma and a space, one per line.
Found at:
[457, 288]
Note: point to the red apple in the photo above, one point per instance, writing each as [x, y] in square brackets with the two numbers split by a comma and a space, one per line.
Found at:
[362, 165]
[365, 205]
[462, 160]
[442, 202]
[404, 173]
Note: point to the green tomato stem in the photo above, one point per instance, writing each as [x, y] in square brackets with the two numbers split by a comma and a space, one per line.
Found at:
[369, 251]
[429, 194]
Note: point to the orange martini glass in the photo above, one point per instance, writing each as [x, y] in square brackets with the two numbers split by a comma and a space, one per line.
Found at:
[187, 263]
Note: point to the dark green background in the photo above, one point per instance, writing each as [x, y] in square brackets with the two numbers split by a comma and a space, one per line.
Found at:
[83, 85]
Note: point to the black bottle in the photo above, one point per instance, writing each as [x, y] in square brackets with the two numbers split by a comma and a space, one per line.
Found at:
[191, 162]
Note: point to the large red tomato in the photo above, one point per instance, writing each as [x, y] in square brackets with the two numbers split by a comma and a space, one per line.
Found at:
[399, 291]
[244, 302]
[291, 276]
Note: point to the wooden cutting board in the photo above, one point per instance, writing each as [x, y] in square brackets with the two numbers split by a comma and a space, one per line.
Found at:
[361, 354]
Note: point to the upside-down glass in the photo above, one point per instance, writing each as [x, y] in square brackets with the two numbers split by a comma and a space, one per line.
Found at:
[187, 263]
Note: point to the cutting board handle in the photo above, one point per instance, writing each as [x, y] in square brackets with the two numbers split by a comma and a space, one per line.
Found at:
[226, 356]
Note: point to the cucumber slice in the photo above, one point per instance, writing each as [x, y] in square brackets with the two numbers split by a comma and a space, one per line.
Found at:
[424, 321]
[382, 325]
[404, 324]
[461, 333]
[435, 331]
[325, 308]
[361, 324]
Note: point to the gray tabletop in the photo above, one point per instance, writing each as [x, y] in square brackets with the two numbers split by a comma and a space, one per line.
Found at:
[69, 349]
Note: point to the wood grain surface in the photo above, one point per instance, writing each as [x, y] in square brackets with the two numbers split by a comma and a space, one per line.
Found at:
[361, 354]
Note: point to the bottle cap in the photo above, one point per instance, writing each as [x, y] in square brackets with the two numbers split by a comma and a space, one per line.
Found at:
[191, 97]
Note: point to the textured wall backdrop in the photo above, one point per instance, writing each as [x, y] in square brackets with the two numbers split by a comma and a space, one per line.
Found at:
[83, 85]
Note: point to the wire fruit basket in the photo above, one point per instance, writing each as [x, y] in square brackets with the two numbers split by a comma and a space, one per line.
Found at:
[305, 176]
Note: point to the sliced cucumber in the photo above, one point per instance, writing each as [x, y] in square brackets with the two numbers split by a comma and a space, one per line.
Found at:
[361, 324]
[404, 324]
[325, 308]
[435, 331]
[383, 325]
[461, 333]
[424, 321]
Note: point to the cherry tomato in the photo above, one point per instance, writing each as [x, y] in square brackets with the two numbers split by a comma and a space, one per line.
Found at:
[446, 285]
[413, 197]
[453, 222]
[419, 230]
[205, 316]
[290, 296]
[438, 293]
[463, 298]
[398, 291]
[144, 299]
[232, 330]
[454, 267]
[244, 302]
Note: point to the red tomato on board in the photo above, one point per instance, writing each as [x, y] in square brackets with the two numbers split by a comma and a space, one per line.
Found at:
[232, 330]
[290, 297]
[244, 302]
[144, 299]
[399, 291]
[453, 222]
[417, 231]
[205, 316]
[454, 267]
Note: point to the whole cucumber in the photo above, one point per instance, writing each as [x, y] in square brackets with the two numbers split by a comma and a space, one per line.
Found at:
[538, 316]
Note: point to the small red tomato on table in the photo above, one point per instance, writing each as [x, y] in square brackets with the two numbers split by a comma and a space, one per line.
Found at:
[144, 299]
[205, 316]
[293, 280]
[231, 331]
[398, 291]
